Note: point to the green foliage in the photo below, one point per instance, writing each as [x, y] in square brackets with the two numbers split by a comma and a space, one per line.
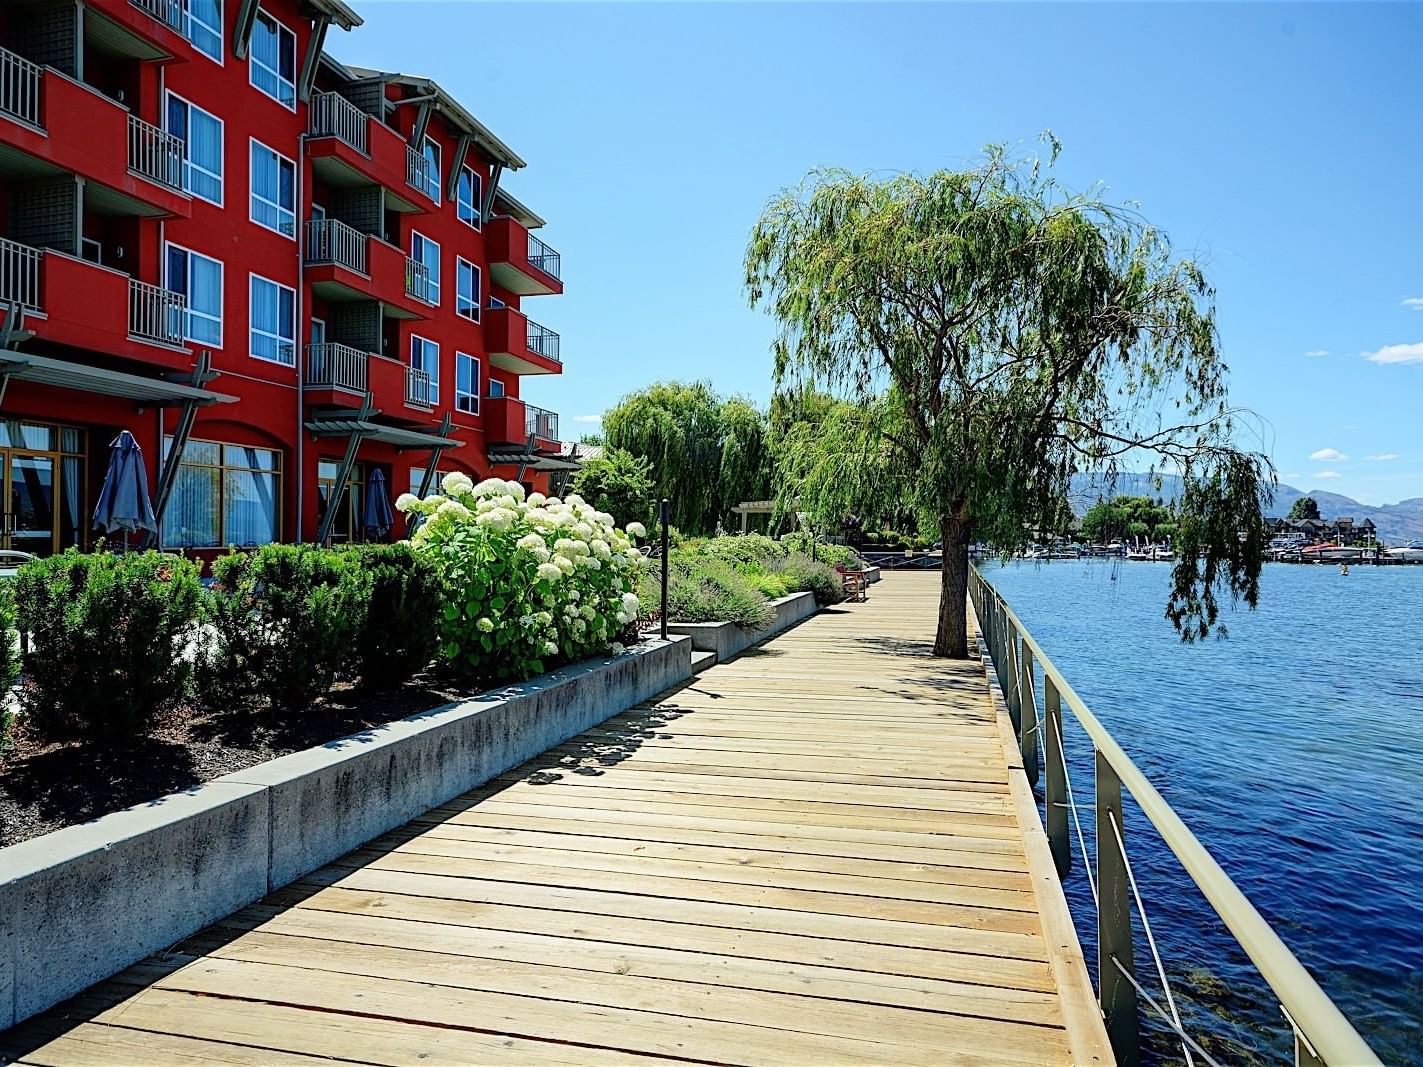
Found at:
[1128, 516]
[109, 640]
[285, 620]
[990, 335]
[399, 630]
[807, 575]
[707, 589]
[1306, 507]
[835, 555]
[771, 585]
[742, 548]
[619, 483]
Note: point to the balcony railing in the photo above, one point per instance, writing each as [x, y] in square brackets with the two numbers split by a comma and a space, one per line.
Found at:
[336, 366]
[420, 390]
[332, 115]
[545, 258]
[19, 275]
[332, 241]
[417, 281]
[154, 154]
[19, 88]
[168, 11]
[543, 341]
[155, 314]
[541, 423]
[417, 172]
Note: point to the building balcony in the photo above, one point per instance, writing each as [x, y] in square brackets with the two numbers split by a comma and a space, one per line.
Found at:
[344, 265]
[509, 421]
[519, 261]
[51, 124]
[514, 343]
[146, 30]
[74, 303]
[340, 376]
[349, 148]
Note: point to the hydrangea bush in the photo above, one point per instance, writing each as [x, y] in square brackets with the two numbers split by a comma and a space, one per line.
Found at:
[529, 581]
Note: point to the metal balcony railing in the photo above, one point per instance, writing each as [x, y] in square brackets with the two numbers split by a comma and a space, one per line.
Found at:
[544, 257]
[154, 154]
[417, 281]
[19, 88]
[420, 389]
[332, 241]
[167, 11]
[332, 115]
[540, 422]
[155, 314]
[417, 172]
[543, 341]
[20, 274]
[336, 366]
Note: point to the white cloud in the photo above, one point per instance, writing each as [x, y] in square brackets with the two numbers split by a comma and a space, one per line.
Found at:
[1414, 302]
[1397, 354]
[1328, 455]
[1315, 353]
[587, 418]
[1328, 474]
[1382, 457]
[1292, 476]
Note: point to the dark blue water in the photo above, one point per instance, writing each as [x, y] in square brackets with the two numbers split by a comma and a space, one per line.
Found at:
[1292, 749]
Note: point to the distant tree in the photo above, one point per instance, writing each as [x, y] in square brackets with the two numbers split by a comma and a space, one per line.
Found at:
[592, 437]
[1107, 520]
[1304, 508]
[619, 483]
[996, 335]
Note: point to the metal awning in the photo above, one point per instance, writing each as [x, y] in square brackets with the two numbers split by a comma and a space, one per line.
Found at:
[516, 210]
[376, 431]
[538, 461]
[43, 370]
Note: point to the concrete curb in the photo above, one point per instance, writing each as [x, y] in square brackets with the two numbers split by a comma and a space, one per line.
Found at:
[727, 639]
[872, 575]
[81, 904]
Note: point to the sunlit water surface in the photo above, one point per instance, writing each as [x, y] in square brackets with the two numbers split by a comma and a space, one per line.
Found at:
[1292, 749]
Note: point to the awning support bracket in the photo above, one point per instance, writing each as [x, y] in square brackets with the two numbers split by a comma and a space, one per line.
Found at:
[486, 209]
[422, 125]
[242, 33]
[524, 459]
[343, 473]
[461, 154]
[314, 45]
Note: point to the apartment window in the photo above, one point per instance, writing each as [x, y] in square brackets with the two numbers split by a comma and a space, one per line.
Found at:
[274, 60]
[425, 356]
[496, 388]
[223, 495]
[417, 479]
[427, 253]
[467, 197]
[466, 383]
[273, 190]
[201, 134]
[199, 278]
[202, 25]
[467, 289]
[432, 171]
[273, 322]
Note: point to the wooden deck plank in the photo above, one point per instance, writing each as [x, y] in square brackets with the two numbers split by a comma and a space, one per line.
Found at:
[822, 852]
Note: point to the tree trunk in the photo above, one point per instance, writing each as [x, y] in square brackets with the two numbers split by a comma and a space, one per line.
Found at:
[952, 638]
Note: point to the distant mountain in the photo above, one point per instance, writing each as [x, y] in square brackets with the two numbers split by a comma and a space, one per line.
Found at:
[1396, 522]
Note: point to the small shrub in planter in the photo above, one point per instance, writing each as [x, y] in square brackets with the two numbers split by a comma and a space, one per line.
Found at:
[744, 548]
[399, 632]
[835, 555]
[110, 639]
[284, 621]
[772, 586]
[812, 576]
[704, 589]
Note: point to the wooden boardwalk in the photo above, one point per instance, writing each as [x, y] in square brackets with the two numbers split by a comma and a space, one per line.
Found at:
[816, 854]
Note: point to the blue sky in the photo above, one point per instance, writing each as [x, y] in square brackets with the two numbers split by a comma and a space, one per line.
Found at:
[1279, 142]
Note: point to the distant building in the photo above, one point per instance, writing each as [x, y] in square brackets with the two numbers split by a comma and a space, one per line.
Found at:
[1343, 530]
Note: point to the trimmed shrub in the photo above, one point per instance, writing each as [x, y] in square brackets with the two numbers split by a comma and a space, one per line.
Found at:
[109, 640]
[743, 548]
[399, 632]
[835, 555]
[284, 621]
[704, 589]
[771, 586]
[810, 575]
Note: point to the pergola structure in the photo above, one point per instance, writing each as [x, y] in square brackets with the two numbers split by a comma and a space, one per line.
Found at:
[747, 508]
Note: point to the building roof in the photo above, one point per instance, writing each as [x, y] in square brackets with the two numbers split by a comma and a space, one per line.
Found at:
[504, 204]
[453, 111]
[340, 13]
[578, 452]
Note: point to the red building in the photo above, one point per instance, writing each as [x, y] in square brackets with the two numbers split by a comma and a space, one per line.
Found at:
[295, 282]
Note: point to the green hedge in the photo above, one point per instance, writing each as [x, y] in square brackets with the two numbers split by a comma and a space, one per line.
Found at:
[398, 633]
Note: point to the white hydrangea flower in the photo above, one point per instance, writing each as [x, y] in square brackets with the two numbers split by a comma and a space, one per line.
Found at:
[490, 487]
[535, 500]
[574, 595]
[636, 529]
[453, 510]
[589, 612]
[573, 498]
[541, 553]
[618, 648]
[543, 618]
[550, 648]
[583, 530]
[530, 541]
[564, 564]
[549, 572]
[456, 483]
[407, 502]
[600, 548]
[514, 489]
[630, 603]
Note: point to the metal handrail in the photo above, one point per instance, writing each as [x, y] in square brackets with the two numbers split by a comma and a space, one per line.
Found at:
[20, 82]
[544, 257]
[417, 170]
[417, 281]
[155, 314]
[1323, 1035]
[419, 391]
[332, 241]
[166, 11]
[541, 422]
[336, 365]
[332, 115]
[20, 274]
[155, 154]
[543, 341]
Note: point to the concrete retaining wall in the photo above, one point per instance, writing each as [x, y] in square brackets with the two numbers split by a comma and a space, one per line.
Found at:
[727, 639]
[871, 574]
[83, 903]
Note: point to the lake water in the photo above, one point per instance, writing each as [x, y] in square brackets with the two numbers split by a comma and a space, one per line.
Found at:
[1292, 749]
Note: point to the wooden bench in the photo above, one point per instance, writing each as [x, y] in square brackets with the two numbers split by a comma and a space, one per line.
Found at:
[854, 583]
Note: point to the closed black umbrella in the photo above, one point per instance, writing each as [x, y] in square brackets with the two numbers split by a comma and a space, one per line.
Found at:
[379, 516]
[123, 501]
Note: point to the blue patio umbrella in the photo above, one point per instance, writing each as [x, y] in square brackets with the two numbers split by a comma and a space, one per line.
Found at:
[379, 517]
[123, 501]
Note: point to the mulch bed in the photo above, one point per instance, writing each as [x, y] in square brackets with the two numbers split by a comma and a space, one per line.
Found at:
[45, 786]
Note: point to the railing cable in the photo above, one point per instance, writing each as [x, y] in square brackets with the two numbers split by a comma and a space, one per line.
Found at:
[1187, 1040]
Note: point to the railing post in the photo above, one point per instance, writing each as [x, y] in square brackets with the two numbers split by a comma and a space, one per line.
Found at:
[662, 510]
[1012, 695]
[1115, 994]
[1056, 800]
[1028, 713]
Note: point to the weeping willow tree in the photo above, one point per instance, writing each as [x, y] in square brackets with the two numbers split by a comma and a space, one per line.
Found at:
[992, 335]
[707, 453]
